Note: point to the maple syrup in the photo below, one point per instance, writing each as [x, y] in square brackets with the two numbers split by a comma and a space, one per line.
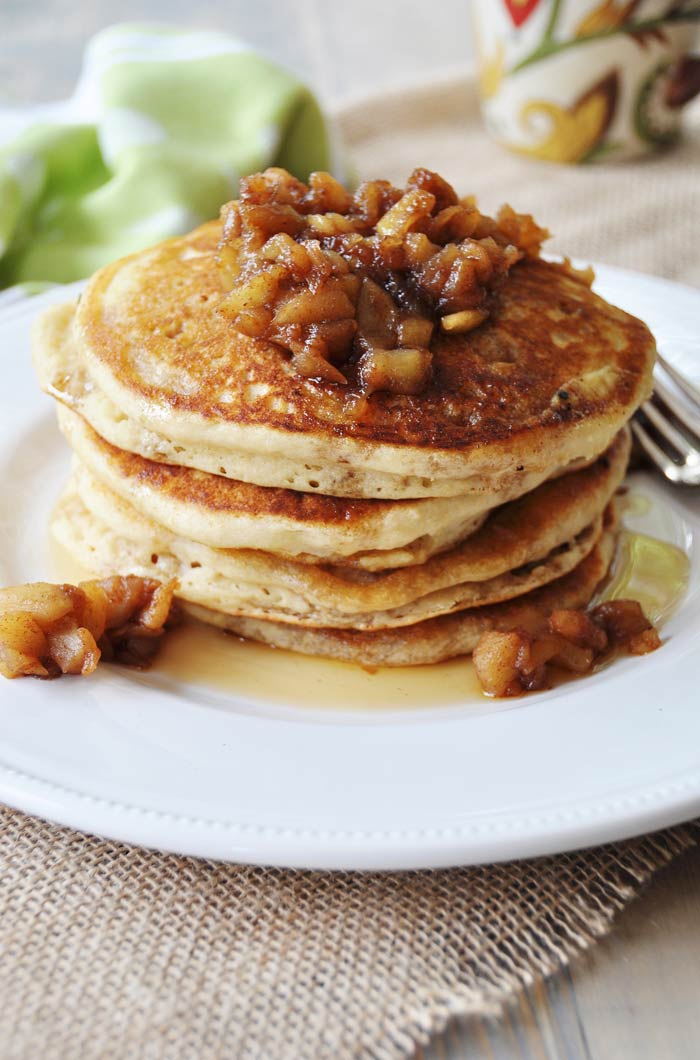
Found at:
[196, 654]
[651, 571]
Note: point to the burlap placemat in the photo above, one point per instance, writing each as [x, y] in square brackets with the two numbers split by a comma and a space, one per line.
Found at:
[111, 951]
[642, 216]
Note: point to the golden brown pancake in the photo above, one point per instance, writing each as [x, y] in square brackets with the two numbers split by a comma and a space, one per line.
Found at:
[436, 639]
[521, 546]
[228, 581]
[548, 379]
[62, 374]
[224, 513]
[369, 433]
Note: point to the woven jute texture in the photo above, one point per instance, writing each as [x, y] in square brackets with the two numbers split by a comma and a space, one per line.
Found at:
[111, 951]
[640, 216]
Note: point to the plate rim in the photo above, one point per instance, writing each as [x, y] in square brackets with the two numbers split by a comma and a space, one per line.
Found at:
[285, 846]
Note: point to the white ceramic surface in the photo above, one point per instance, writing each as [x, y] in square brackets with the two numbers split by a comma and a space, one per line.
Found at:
[197, 771]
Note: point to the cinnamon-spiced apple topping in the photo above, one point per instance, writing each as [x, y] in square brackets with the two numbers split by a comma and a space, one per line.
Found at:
[47, 630]
[516, 661]
[353, 285]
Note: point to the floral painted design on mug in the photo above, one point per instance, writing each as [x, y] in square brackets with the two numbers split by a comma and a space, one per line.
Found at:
[520, 10]
[575, 132]
[584, 80]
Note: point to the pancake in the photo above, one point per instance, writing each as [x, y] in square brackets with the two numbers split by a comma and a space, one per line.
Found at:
[62, 374]
[368, 427]
[521, 546]
[436, 639]
[223, 513]
[547, 380]
[228, 581]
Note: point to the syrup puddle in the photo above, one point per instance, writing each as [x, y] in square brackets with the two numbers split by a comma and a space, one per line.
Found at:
[198, 655]
[647, 569]
[195, 654]
[651, 571]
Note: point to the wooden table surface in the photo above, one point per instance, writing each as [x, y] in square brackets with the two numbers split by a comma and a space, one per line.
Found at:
[636, 994]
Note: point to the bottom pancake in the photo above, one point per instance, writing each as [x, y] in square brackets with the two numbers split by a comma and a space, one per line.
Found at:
[436, 639]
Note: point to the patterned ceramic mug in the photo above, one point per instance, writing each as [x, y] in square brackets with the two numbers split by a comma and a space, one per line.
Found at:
[586, 80]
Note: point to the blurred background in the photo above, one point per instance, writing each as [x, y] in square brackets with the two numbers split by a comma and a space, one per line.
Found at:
[341, 48]
[639, 215]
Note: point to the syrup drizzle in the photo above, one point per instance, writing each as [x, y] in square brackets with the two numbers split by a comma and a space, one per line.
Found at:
[651, 571]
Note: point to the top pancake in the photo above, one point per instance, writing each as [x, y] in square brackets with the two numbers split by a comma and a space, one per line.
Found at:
[549, 378]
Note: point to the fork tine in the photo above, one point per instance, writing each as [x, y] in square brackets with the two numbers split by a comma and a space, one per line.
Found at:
[673, 472]
[679, 409]
[688, 452]
[690, 391]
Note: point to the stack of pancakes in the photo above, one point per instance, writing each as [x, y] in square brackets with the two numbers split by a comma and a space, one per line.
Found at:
[389, 532]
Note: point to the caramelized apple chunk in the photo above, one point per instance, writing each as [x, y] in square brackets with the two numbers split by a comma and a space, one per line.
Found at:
[298, 260]
[579, 628]
[509, 663]
[621, 619]
[498, 661]
[47, 630]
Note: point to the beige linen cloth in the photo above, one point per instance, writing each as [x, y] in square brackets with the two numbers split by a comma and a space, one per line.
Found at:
[111, 951]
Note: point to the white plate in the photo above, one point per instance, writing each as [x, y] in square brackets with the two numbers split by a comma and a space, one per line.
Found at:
[149, 760]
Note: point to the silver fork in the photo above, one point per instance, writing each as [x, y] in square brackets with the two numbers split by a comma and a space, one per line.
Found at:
[667, 426]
